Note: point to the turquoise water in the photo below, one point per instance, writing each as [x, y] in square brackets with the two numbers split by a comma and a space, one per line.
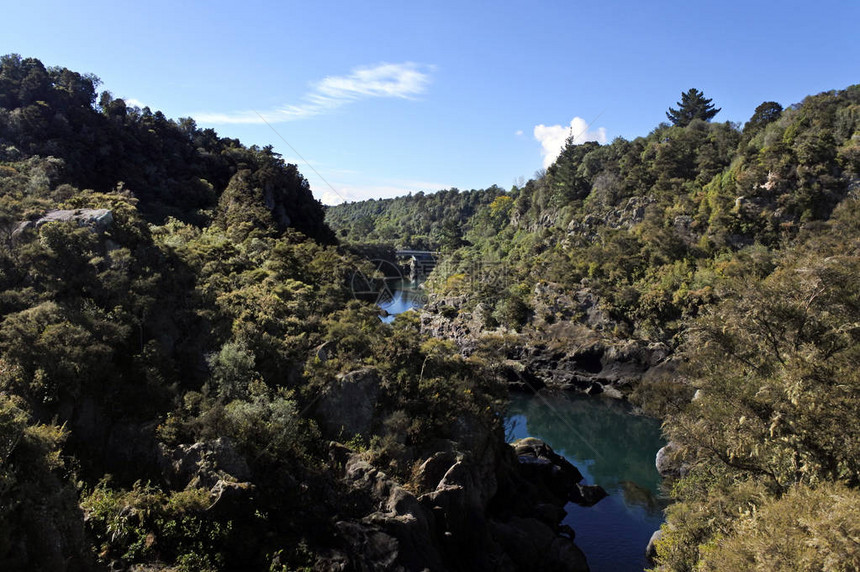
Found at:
[401, 297]
[612, 448]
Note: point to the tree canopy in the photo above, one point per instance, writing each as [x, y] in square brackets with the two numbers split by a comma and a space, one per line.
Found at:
[765, 113]
[693, 105]
[192, 321]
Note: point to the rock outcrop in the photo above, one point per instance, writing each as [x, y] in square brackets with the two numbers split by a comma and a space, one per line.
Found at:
[346, 407]
[539, 464]
[562, 353]
[496, 508]
[651, 549]
[97, 219]
[668, 462]
[203, 464]
[631, 214]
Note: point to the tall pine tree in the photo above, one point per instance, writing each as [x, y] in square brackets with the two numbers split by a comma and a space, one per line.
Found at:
[693, 105]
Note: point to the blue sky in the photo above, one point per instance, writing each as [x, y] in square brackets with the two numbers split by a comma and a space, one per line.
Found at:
[376, 99]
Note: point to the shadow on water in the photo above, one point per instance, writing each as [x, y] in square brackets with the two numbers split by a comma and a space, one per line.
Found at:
[613, 448]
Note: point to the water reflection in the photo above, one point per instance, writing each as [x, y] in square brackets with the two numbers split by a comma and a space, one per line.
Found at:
[636, 495]
[612, 448]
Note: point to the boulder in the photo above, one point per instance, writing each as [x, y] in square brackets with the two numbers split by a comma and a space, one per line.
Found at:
[553, 474]
[651, 549]
[397, 535]
[588, 495]
[609, 391]
[431, 471]
[203, 464]
[543, 466]
[466, 521]
[346, 407]
[367, 547]
[231, 500]
[594, 388]
[97, 219]
[533, 545]
[325, 351]
[668, 462]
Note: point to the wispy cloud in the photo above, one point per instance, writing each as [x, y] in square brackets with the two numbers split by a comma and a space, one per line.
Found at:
[404, 80]
[553, 137]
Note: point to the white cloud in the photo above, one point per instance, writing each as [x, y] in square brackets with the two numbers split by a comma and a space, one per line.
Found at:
[132, 102]
[519, 133]
[553, 137]
[405, 81]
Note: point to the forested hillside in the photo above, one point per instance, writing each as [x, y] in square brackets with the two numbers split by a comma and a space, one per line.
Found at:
[733, 248]
[436, 221]
[180, 353]
[56, 130]
[651, 224]
[186, 382]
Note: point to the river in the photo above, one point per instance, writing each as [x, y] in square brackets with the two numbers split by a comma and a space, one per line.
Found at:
[612, 448]
[402, 295]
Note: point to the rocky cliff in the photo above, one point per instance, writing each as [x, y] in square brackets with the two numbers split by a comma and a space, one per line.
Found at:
[497, 507]
[569, 343]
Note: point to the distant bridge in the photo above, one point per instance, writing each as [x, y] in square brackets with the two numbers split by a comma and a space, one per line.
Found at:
[421, 263]
[418, 253]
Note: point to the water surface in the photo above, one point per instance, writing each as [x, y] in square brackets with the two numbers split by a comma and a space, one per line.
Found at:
[612, 448]
[401, 296]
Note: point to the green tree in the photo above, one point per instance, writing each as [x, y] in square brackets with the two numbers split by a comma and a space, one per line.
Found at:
[693, 105]
[775, 364]
[767, 112]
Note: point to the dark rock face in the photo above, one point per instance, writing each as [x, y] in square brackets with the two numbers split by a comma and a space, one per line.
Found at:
[203, 464]
[431, 472]
[533, 545]
[543, 466]
[231, 500]
[49, 538]
[398, 535]
[497, 508]
[597, 367]
[566, 347]
[588, 495]
[346, 407]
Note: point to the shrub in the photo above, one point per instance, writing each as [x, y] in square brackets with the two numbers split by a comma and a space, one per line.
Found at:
[805, 531]
[145, 524]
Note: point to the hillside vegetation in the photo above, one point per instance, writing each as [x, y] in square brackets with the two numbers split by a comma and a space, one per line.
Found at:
[173, 340]
[436, 221]
[736, 247]
[187, 383]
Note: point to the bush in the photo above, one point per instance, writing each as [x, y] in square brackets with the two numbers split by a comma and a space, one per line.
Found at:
[805, 531]
[146, 525]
